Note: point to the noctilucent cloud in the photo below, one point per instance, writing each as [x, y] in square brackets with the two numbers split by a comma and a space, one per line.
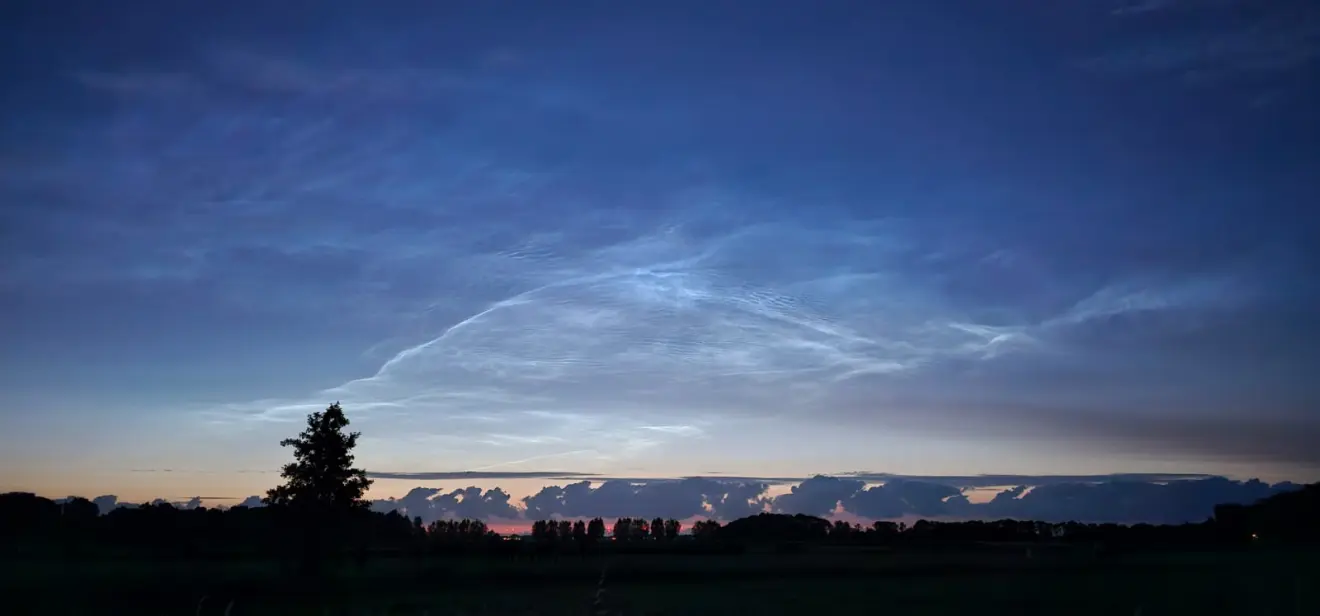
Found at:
[657, 239]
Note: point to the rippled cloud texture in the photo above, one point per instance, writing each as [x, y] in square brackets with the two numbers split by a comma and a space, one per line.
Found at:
[638, 240]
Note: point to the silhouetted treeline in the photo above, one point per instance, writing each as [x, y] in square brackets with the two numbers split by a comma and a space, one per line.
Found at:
[34, 525]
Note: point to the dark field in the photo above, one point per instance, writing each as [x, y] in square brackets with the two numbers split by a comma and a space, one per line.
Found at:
[822, 581]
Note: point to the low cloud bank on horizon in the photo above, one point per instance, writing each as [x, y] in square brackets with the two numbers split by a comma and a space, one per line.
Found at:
[1130, 498]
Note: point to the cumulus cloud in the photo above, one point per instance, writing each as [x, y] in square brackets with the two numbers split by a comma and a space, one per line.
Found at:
[1126, 502]
[761, 483]
[1095, 499]
[818, 495]
[106, 503]
[683, 498]
[901, 497]
[431, 504]
[251, 502]
[982, 481]
[1124, 499]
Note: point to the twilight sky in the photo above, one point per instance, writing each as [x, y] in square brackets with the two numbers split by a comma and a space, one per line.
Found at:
[657, 239]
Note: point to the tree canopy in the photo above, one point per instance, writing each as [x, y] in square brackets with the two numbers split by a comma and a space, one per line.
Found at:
[322, 476]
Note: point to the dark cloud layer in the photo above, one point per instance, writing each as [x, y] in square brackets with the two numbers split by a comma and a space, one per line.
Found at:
[433, 504]
[671, 499]
[982, 481]
[1112, 500]
[1125, 500]
[960, 481]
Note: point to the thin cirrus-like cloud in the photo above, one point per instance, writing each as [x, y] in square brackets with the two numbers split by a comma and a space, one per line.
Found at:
[573, 334]
[1213, 42]
[472, 475]
[675, 321]
[226, 71]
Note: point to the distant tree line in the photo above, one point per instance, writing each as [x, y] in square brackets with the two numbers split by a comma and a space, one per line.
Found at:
[76, 528]
[319, 515]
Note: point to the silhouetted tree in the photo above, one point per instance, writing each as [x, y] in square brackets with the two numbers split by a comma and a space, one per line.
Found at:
[540, 531]
[457, 535]
[883, 532]
[580, 532]
[658, 529]
[322, 477]
[79, 510]
[622, 530]
[631, 529]
[841, 531]
[705, 529]
[672, 527]
[322, 490]
[1287, 518]
[596, 530]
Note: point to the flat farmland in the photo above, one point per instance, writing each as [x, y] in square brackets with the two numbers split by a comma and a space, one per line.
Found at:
[814, 582]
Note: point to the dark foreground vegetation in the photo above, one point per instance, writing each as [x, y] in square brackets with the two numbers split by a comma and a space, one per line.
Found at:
[316, 549]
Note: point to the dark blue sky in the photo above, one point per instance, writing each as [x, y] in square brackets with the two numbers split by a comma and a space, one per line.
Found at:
[659, 238]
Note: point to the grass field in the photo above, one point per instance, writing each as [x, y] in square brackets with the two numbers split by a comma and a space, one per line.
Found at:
[811, 583]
